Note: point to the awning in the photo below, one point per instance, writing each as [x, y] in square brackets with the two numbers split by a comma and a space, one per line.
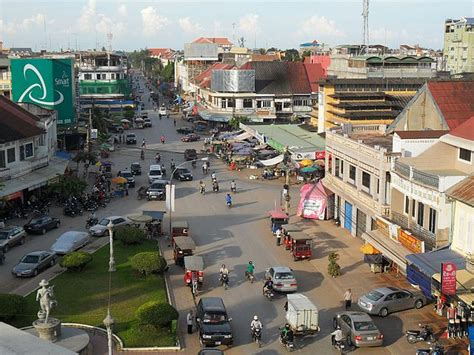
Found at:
[388, 247]
[430, 263]
[273, 161]
[241, 137]
[368, 249]
[36, 178]
[158, 215]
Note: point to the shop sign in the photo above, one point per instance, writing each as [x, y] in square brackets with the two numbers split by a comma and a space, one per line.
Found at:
[448, 278]
[410, 242]
[297, 156]
[382, 226]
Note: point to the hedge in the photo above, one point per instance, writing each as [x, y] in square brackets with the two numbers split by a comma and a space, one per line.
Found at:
[76, 261]
[130, 235]
[11, 305]
[149, 262]
[157, 314]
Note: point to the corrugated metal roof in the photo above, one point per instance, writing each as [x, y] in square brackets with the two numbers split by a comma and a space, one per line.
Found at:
[16, 122]
[421, 134]
[463, 191]
[455, 99]
[315, 73]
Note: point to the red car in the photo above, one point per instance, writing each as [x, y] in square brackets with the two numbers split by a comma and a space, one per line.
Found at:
[190, 138]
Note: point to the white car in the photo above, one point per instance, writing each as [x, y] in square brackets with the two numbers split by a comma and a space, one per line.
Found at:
[155, 173]
[162, 111]
[69, 242]
[101, 229]
[283, 278]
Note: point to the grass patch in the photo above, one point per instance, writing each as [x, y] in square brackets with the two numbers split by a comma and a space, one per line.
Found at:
[83, 296]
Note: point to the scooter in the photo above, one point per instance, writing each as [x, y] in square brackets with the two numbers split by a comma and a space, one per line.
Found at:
[268, 293]
[424, 334]
[339, 345]
[257, 336]
[229, 204]
[433, 350]
[233, 189]
[91, 222]
[157, 158]
[250, 276]
[224, 279]
[288, 344]
[202, 190]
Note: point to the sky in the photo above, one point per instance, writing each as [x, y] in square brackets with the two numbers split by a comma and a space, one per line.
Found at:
[136, 24]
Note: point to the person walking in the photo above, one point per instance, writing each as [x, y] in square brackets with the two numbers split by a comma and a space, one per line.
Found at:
[174, 121]
[190, 321]
[348, 299]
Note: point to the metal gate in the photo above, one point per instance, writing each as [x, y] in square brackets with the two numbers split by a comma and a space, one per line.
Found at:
[361, 223]
[348, 216]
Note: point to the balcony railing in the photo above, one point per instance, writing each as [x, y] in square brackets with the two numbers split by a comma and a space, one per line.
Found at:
[426, 178]
[418, 231]
[402, 169]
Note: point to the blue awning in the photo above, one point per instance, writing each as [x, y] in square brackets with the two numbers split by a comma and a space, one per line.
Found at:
[430, 263]
[158, 215]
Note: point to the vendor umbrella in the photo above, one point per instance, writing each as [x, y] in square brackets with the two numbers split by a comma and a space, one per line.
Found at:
[119, 180]
[308, 170]
[306, 162]
[105, 146]
[124, 120]
[138, 119]
[140, 218]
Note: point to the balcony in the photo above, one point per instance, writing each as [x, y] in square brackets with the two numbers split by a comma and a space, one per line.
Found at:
[23, 167]
[415, 175]
[418, 231]
[402, 169]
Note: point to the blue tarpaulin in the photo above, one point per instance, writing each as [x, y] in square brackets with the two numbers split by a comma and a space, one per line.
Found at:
[158, 215]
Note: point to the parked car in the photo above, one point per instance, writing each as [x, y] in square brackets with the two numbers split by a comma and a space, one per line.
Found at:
[190, 154]
[157, 190]
[213, 323]
[33, 263]
[184, 130]
[144, 114]
[136, 168]
[155, 173]
[69, 242]
[116, 128]
[11, 236]
[41, 225]
[147, 122]
[162, 111]
[183, 174]
[131, 138]
[358, 329]
[283, 278]
[192, 137]
[127, 174]
[385, 300]
[101, 229]
[210, 352]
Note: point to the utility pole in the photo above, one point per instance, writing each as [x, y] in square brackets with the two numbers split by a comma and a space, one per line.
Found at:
[286, 187]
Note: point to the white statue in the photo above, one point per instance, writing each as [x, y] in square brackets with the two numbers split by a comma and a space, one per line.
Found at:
[45, 296]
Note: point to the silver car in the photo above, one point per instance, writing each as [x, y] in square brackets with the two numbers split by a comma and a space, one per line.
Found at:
[11, 236]
[358, 329]
[69, 242]
[100, 229]
[33, 263]
[283, 278]
[385, 300]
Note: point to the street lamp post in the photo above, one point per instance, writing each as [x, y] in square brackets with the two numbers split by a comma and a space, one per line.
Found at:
[109, 323]
[111, 245]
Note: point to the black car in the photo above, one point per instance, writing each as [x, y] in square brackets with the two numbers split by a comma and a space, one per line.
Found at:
[116, 128]
[135, 168]
[33, 263]
[185, 130]
[183, 174]
[41, 225]
[157, 190]
[131, 138]
[213, 323]
[129, 176]
[190, 154]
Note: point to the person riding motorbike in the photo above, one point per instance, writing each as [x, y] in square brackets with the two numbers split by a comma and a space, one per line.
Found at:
[268, 285]
[286, 334]
[233, 186]
[172, 165]
[228, 200]
[157, 157]
[142, 155]
[213, 176]
[204, 168]
[256, 324]
[193, 163]
[224, 271]
[215, 186]
[250, 269]
[202, 187]
[337, 336]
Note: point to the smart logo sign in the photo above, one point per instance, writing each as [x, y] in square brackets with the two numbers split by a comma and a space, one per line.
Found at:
[47, 83]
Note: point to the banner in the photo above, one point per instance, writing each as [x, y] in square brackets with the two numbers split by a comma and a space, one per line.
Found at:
[448, 278]
[170, 197]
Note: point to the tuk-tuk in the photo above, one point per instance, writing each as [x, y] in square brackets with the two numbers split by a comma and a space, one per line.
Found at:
[179, 228]
[288, 230]
[277, 219]
[183, 246]
[194, 272]
[301, 246]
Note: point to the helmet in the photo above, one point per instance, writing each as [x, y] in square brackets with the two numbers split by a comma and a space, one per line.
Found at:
[287, 326]
[338, 327]
[223, 265]
[250, 262]
[255, 317]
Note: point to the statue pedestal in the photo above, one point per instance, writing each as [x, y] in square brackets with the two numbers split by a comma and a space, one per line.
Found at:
[48, 331]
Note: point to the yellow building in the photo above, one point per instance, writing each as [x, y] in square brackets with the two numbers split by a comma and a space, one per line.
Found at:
[458, 53]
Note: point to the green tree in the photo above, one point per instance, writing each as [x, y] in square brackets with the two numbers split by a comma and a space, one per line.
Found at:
[292, 55]
[168, 73]
[262, 51]
[234, 122]
[99, 120]
[306, 53]
[68, 186]
[334, 269]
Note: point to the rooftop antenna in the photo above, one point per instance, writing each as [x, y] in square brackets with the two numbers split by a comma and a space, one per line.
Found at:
[365, 15]
[45, 35]
[233, 31]
[110, 36]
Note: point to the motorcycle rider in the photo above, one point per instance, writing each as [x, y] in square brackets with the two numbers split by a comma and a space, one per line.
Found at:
[250, 269]
[92, 219]
[202, 187]
[215, 186]
[172, 165]
[193, 163]
[228, 200]
[337, 336]
[224, 271]
[268, 285]
[157, 157]
[255, 324]
[204, 168]
[142, 155]
[213, 176]
[233, 186]
[286, 334]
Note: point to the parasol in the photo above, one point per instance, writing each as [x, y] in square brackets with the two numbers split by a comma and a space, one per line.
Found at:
[140, 218]
[119, 180]
[138, 119]
[124, 120]
[306, 162]
[308, 169]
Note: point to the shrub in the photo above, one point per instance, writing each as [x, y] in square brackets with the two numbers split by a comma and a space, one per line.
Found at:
[11, 305]
[157, 314]
[334, 269]
[76, 261]
[149, 262]
[130, 235]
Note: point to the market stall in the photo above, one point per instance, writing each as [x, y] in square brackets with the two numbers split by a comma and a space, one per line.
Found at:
[316, 202]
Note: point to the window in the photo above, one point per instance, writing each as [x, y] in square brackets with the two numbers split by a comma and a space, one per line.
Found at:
[11, 155]
[407, 205]
[302, 102]
[352, 173]
[421, 214]
[264, 104]
[336, 167]
[97, 76]
[2, 159]
[413, 209]
[464, 154]
[432, 221]
[87, 76]
[366, 180]
[248, 103]
[26, 151]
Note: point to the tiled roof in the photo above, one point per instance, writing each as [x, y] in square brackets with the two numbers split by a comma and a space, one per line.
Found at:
[161, 52]
[427, 134]
[203, 80]
[264, 57]
[315, 73]
[455, 99]
[16, 122]
[464, 130]
[217, 40]
[463, 191]
[299, 81]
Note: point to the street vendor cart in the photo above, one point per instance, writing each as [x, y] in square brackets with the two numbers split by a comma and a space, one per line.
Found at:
[183, 246]
[301, 246]
[194, 272]
[288, 230]
[301, 315]
[277, 219]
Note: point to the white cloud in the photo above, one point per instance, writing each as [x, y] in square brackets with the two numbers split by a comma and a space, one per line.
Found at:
[319, 26]
[107, 25]
[122, 10]
[152, 21]
[90, 20]
[25, 24]
[188, 26]
[88, 17]
[248, 24]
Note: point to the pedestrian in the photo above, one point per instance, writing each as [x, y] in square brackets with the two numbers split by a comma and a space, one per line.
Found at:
[108, 185]
[190, 321]
[174, 121]
[126, 189]
[348, 298]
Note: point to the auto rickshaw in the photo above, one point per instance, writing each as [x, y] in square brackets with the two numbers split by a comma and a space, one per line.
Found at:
[301, 246]
[194, 272]
[178, 229]
[183, 246]
[288, 230]
[277, 219]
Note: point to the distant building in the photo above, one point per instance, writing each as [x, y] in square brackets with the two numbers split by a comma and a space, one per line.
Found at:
[458, 50]
[5, 77]
[20, 52]
[223, 43]
[165, 55]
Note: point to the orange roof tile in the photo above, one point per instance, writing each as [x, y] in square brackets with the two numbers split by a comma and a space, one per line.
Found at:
[217, 40]
[464, 130]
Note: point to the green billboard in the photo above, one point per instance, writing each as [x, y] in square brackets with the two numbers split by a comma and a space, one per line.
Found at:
[46, 82]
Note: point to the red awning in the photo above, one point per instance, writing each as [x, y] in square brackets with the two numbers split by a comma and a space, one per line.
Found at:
[278, 214]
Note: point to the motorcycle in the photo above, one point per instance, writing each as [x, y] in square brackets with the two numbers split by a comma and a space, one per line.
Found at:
[224, 279]
[233, 189]
[339, 345]
[268, 293]
[202, 190]
[91, 222]
[250, 276]
[72, 211]
[215, 187]
[229, 204]
[193, 164]
[157, 158]
[288, 344]
[433, 350]
[257, 336]
[424, 334]
[142, 155]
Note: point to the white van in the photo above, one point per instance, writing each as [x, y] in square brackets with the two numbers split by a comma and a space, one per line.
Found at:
[155, 173]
